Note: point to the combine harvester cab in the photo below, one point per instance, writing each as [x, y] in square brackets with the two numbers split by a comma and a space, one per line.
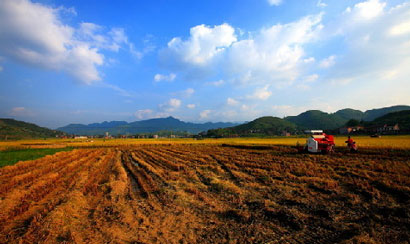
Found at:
[318, 142]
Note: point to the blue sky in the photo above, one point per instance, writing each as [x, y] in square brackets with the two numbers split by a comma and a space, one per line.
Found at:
[67, 62]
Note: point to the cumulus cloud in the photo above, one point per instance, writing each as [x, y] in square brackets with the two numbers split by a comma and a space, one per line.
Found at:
[143, 113]
[96, 36]
[203, 46]
[275, 52]
[204, 114]
[309, 60]
[321, 4]
[270, 55]
[191, 106]
[261, 93]
[188, 92]
[361, 16]
[400, 28]
[171, 105]
[231, 101]
[366, 10]
[274, 2]
[34, 34]
[328, 62]
[160, 77]
[372, 54]
[184, 93]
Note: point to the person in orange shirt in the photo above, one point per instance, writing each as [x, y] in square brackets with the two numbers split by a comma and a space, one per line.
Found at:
[351, 144]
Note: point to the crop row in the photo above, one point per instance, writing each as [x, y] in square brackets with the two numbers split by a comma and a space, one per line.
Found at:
[206, 194]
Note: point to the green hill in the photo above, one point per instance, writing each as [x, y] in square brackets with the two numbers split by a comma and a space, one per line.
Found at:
[402, 118]
[316, 119]
[11, 129]
[349, 114]
[370, 115]
[264, 126]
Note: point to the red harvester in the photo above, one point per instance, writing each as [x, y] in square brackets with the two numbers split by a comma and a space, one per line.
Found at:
[318, 142]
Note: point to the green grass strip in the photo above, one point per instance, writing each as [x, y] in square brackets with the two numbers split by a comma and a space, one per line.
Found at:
[12, 156]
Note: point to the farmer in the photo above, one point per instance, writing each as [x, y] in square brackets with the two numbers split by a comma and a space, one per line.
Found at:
[351, 144]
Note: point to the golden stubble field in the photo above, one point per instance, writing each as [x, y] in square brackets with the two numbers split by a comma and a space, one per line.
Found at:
[386, 142]
[207, 193]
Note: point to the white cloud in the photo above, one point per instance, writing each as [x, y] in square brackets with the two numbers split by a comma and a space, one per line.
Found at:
[328, 62]
[150, 114]
[261, 93]
[171, 105]
[18, 109]
[287, 110]
[118, 35]
[368, 10]
[34, 34]
[400, 29]
[311, 78]
[135, 52]
[305, 83]
[274, 54]
[144, 114]
[191, 106]
[231, 101]
[271, 55]
[377, 48]
[204, 44]
[321, 4]
[204, 114]
[274, 2]
[373, 51]
[170, 77]
[184, 93]
[188, 92]
[119, 90]
[390, 74]
[21, 112]
[94, 34]
[309, 60]
[215, 83]
[245, 107]
[175, 103]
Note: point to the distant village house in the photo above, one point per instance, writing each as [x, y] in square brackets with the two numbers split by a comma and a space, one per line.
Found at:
[351, 129]
[383, 129]
[80, 137]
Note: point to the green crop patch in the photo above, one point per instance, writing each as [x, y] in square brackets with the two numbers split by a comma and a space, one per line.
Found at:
[12, 156]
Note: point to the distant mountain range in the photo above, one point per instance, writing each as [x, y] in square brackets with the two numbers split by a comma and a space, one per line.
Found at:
[316, 119]
[312, 119]
[143, 126]
[11, 129]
